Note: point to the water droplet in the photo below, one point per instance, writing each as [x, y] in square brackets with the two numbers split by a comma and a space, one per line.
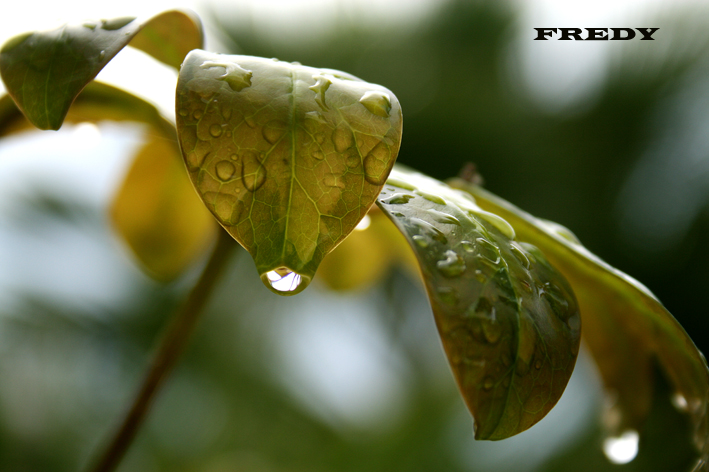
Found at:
[91, 26]
[538, 365]
[322, 83]
[398, 199]
[102, 55]
[215, 130]
[430, 197]
[184, 112]
[467, 246]
[377, 164]
[479, 276]
[364, 223]
[235, 76]
[116, 23]
[498, 222]
[197, 114]
[274, 131]
[318, 155]
[444, 218]
[622, 449]
[253, 173]
[452, 266]
[225, 170]
[284, 280]
[430, 230]
[234, 157]
[488, 383]
[250, 122]
[520, 255]
[376, 102]
[421, 241]
[352, 160]
[342, 139]
[334, 180]
[448, 295]
[488, 251]
[400, 184]
[195, 159]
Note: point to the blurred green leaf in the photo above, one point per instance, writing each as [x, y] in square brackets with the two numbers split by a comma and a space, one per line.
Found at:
[625, 327]
[509, 321]
[288, 158]
[45, 71]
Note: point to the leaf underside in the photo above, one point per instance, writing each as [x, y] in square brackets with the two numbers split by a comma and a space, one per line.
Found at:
[288, 158]
[508, 321]
[626, 328]
[45, 71]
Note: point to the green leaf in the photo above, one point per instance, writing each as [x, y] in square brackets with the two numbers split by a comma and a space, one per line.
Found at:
[625, 327]
[288, 158]
[508, 320]
[45, 71]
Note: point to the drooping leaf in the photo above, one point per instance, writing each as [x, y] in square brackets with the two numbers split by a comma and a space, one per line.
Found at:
[508, 320]
[157, 212]
[288, 158]
[45, 71]
[625, 326]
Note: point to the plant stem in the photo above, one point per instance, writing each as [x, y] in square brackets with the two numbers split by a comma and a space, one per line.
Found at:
[168, 351]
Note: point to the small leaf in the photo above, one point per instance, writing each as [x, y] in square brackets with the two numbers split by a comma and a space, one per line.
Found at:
[288, 158]
[625, 327]
[509, 321]
[45, 71]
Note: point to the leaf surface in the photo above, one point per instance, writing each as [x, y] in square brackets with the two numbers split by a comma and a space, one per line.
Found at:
[625, 326]
[508, 321]
[288, 158]
[45, 71]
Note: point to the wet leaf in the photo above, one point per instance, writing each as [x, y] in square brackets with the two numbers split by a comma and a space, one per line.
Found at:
[45, 71]
[288, 158]
[158, 214]
[508, 320]
[625, 326]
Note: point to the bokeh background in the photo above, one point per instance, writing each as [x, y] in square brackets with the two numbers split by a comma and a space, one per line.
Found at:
[607, 138]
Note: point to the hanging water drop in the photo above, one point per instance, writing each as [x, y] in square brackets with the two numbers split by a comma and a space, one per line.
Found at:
[284, 281]
[622, 449]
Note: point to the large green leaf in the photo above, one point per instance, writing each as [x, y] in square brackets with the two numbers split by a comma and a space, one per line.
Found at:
[45, 71]
[288, 158]
[625, 326]
[508, 320]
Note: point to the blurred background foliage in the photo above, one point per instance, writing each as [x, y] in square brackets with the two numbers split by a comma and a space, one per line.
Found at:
[356, 380]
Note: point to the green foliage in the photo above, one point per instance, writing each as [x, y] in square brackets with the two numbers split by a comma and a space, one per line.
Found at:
[289, 159]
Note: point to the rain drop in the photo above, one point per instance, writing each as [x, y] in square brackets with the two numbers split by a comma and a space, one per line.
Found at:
[452, 265]
[250, 122]
[430, 197]
[467, 246]
[215, 130]
[421, 241]
[284, 280]
[334, 180]
[225, 170]
[398, 199]
[101, 55]
[622, 449]
[680, 402]
[376, 102]
[253, 173]
[235, 76]
[274, 130]
[377, 164]
[318, 155]
[400, 184]
[116, 23]
[322, 83]
[488, 251]
[184, 112]
[538, 365]
[488, 383]
[319, 138]
[444, 218]
[342, 139]
[197, 114]
[352, 160]
[520, 255]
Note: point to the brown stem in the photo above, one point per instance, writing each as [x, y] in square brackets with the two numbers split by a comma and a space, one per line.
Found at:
[168, 351]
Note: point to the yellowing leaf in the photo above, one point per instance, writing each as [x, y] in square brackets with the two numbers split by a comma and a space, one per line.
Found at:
[158, 214]
[288, 158]
[45, 71]
[508, 320]
[626, 328]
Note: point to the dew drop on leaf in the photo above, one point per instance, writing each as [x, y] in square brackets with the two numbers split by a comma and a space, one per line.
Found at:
[377, 103]
[318, 155]
[421, 241]
[398, 199]
[342, 139]
[376, 164]
[225, 170]
[452, 266]
[215, 130]
[488, 383]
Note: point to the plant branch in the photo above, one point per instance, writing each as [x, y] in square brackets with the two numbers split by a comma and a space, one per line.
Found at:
[168, 351]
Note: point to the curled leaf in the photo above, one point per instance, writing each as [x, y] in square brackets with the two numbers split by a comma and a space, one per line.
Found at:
[508, 320]
[626, 328]
[45, 71]
[288, 158]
